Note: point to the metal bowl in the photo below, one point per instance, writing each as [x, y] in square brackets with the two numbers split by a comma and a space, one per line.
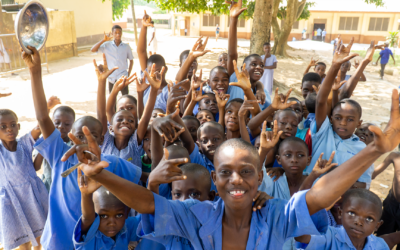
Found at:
[32, 26]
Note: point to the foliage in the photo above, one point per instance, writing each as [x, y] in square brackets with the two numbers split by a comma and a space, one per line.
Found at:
[118, 7]
[392, 38]
[305, 14]
[160, 12]
[378, 3]
[144, 3]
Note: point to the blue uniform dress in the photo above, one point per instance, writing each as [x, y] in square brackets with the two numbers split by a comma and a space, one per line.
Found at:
[65, 196]
[23, 196]
[326, 140]
[278, 189]
[201, 223]
[131, 153]
[162, 98]
[336, 238]
[96, 240]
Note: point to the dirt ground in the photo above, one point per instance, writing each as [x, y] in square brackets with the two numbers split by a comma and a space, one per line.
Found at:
[74, 81]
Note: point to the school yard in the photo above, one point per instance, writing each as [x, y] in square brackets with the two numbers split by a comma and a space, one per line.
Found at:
[74, 81]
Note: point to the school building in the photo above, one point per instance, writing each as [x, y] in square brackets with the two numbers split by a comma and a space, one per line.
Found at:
[350, 18]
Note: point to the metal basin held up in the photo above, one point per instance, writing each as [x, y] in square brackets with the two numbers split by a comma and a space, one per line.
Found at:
[32, 26]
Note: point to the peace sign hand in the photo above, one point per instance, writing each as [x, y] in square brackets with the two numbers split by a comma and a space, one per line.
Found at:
[199, 48]
[281, 101]
[175, 94]
[108, 37]
[322, 166]
[102, 71]
[313, 62]
[243, 78]
[269, 139]
[222, 99]
[155, 78]
[196, 81]
[141, 84]
[342, 53]
[166, 126]
[147, 20]
[236, 8]
[246, 107]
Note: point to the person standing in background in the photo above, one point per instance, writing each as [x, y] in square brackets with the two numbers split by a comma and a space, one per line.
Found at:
[384, 56]
[323, 35]
[216, 33]
[319, 33]
[270, 64]
[154, 38]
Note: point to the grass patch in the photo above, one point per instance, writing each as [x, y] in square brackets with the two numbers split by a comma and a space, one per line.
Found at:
[376, 55]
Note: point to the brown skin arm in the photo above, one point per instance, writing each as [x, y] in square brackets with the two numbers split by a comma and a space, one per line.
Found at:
[396, 178]
[144, 122]
[130, 67]
[232, 44]
[88, 213]
[255, 123]
[156, 148]
[37, 163]
[383, 166]
[391, 239]
[142, 48]
[307, 69]
[140, 104]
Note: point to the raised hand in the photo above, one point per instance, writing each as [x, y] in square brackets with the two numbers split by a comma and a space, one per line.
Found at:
[275, 173]
[86, 184]
[166, 126]
[316, 89]
[5, 94]
[108, 37]
[222, 99]
[199, 49]
[370, 52]
[281, 101]
[260, 96]
[260, 199]
[52, 102]
[356, 63]
[146, 21]
[313, 62]
[342, 53]
[236, 8]
[141, 84]
[175, 94]
[102, 70]
[32, 60]
[243, 78]
[155, 78]
[167, 171]
[246, 107]
[123, 82]
[322, 166]
[269, 139]
[197, 83]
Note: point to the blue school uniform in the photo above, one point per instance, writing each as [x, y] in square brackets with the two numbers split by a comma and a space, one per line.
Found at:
[161, 101]
[23, 196]
[96, 240]
[336, 238]
[278, 189]
[65, 196]
[131, 153]
[326, 140]
[201, 223]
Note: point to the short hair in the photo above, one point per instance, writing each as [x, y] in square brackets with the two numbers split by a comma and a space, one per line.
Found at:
[239, 100]
[219, 68]
[352, 102]
[266, 44]
[294, 139]
[184, 54]
[237, 143]
[311, 77]
[363, 194]
[211, 123]
[157, 59]
[8, 112]
[89, 118]
[176, 151]
[311, 101]
[130, 97]
[222, 54]
[191, 118]
[321, 63]
[250, 56]
[65, 109]
[199, 171]
[205, 110]
[284, 110]
[296, 100]
[116, 27]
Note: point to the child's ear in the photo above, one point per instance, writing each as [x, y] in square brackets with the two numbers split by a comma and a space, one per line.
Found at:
[214, 177]
[19, 126]
[208, 81]
[378, 225]
[211, 195]
[101, 140]
[359, 123]
[166, 69]
[260, 177]
[340, 212]
[309, 160]
[278, 159]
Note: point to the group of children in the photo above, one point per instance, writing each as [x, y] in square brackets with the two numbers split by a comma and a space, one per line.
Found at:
[194, 164]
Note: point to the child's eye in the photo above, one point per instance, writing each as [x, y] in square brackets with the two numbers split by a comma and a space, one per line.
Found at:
[350, 120]
[129, 108]
[300, 155]
[131, 121]
[287, 155]
[177, 195]
[119, 215]
[361, 129]
[246, 171]
[224, 172]
[194, 195]
[103, 216]
[80, 137]
[283, 123]
[3, 127]
[204, 141]
[351, 213]
[216, 139]
[369, 219]
[13, 125]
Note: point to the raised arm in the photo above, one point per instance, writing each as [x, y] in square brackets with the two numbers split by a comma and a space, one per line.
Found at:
[268, 140]
[222, 100]
[234, 13]
[106, 38]
[142, 44]
[396, 178]
[246, 107]
[386, 163]
[141, 86]
[334, 184]
[196, 95]
[342, 54]
[312, 63]
[351, 84]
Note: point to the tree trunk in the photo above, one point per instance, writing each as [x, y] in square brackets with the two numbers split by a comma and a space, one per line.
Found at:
[134, 21]
[261, 26]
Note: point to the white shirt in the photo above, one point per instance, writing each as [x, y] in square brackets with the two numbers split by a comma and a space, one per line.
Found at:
[267, 78]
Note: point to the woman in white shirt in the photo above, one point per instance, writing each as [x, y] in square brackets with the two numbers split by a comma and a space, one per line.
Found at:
[153, 38]
[270, 63]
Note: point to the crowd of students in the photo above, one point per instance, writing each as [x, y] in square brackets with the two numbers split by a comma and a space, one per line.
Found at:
[194, 164]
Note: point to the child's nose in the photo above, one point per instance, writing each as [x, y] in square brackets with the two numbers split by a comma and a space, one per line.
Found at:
[236, 179]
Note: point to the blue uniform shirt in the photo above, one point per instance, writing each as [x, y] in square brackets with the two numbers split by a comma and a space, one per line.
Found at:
[96, 240]
[336, 238]
[201, 223]
[117, 56]
[385, 53]
[65, 196]
[161, 101]
[326, 141]
[278, 189]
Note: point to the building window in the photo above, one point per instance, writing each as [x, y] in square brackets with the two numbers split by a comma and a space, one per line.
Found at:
[210, 20]
[295, 24]
[241, 23]
[348, 23]
[378, 24]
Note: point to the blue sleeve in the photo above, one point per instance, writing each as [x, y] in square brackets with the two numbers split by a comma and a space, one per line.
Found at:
[195, 156]
[164, 190]
[85, 241]
[132, 224]
[161, 101]
[320, 242]
[129, 52]
[27, 141]
[390, 52]
[381, 53]
[123, 168]
[267, 184]
[102, 48]
[52, 148]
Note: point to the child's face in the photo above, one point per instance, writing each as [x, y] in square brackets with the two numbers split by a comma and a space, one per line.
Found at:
[360, 217]
[307, 88]
[154, 114]
[124, 123]
[219, 81]
[205, 116]
[287, 123]
[192, 67]
[237, 177]
[9, 127]
[112, 217]
[345, 119]
[345, 67]
[209, 103]
[147, 142]
[267, 49]
[192, 187]
[231, 116]
[364, 133]
[127, 104]
[210, 138]
[117, 34]
[223, 61]
[255, 67]
[95, 129]
[63, 122]
[320, 70]
[298, 109]
[158, 68]
[293, 157]
[192, 126]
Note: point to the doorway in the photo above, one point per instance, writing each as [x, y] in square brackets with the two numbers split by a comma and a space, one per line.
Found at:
[318, 24]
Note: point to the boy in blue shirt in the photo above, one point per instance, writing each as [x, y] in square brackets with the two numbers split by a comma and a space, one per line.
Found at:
[384, 56]
[104, 223]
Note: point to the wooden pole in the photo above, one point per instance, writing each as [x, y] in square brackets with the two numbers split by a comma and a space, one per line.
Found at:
[134, 22]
